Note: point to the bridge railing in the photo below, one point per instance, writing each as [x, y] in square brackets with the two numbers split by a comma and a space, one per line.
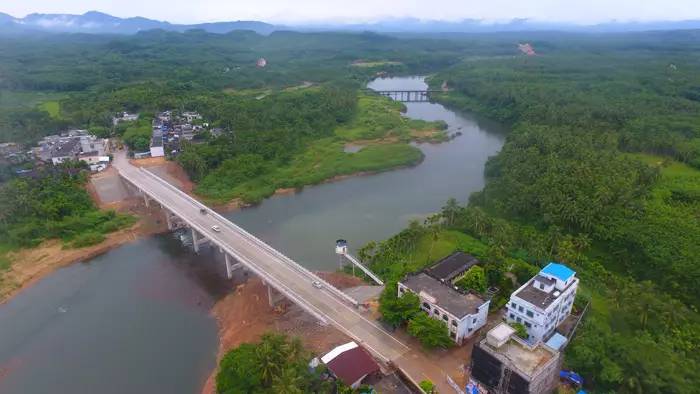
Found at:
[256, 240]
[269, 278]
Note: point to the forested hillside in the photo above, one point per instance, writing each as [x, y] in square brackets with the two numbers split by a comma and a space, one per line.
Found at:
[602, 171]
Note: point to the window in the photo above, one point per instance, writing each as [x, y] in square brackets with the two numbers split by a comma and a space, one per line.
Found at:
[400, 289]
[520, 308]
[513, 305]
[470, 329]
[512, 316]
[519, 319]
[474, 321]
[454, 323]
[426, 305]
[444, 317]
[529, 314]
[528, 325]
[452, 335]
[541, 286]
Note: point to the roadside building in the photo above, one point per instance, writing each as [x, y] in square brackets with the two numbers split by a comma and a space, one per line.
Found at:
[157, 143]
[503, 363]
[350, 363]
[463, 312]
[124, 117]
[544, 301]
[65, 150]
[452, 266]
[261, 63]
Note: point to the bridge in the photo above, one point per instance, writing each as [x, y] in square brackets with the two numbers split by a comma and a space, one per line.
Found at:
[241, 249]
[406, 96]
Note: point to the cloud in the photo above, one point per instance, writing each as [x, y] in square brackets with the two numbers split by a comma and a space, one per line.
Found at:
[343, 11]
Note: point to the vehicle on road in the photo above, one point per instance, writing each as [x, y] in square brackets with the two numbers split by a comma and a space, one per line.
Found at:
[216, 228]
[203, 211]
[317, 284]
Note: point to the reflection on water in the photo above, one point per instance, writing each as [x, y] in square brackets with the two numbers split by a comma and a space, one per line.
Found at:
[305, 225]
[135, 320]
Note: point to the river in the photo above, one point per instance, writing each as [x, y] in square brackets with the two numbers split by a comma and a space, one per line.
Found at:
[136, 319]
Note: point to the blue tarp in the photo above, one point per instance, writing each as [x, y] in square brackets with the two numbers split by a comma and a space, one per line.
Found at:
[556, 341]
[572, 377]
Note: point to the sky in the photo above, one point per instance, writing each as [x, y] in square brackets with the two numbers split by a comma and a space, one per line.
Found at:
[354, 11]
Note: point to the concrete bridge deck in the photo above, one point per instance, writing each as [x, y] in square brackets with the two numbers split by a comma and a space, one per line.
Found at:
[292, 280]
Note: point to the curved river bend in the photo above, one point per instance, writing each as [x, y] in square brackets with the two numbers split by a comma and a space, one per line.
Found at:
[136, 319]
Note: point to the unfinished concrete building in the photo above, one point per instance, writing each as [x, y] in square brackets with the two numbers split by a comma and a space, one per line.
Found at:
[503, 363]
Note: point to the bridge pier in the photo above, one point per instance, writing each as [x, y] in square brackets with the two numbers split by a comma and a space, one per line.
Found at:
[197, 240]
[273, 297]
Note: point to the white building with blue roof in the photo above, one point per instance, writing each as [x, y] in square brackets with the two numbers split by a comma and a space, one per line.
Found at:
[544, 301]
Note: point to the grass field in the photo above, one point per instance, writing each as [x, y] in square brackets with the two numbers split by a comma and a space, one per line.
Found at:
[19, 99]
[53, 107]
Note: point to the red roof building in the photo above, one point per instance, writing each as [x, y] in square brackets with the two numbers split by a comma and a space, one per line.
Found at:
[350, 363]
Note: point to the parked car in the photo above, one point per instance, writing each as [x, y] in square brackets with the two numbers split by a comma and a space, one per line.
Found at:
[317, 284]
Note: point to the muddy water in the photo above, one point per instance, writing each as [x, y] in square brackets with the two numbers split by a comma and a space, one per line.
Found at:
[135, 320]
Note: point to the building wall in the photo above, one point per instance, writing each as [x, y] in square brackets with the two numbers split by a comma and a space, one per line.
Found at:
[157, 151]
[539, 322]
[459, 328]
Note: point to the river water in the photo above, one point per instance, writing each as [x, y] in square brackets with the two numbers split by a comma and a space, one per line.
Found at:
[136, 319]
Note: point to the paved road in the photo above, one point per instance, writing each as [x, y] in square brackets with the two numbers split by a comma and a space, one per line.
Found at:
[275, 268]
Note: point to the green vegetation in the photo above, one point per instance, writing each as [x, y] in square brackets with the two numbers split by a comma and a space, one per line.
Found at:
[520, 330]
[397, 310]
[53, 108]
[307, 132]
[276, 364]
[137, 135]
[53, 205]
[565, 187]
[427, 386]
[474, 279]
[432, 333]
[379, 118]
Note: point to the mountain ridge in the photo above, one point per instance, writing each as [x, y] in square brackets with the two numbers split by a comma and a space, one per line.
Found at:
[97, 22]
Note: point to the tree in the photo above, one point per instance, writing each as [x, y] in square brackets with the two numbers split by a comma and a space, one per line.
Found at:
[288, 381]
[474, 279]
[430, 332]
[397, 310]
[427, 386]
[239, 371]
[449, 211]
[520, 330]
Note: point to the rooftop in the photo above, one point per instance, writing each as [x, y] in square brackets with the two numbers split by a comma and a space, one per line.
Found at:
[560, 271]
[535, 296]
[447, 298]
[65, 148]
[451, 266]
[350, 362]
[514, 353]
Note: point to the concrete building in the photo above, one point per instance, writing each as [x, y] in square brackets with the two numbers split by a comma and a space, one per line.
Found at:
[463, 313]
[503, 363]
[70, 145]
[124, 117]
[157, 143]
[544, 301]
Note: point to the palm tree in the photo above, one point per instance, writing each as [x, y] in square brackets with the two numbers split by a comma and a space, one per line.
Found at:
[270, 358]
[450, 210]
[288, 381]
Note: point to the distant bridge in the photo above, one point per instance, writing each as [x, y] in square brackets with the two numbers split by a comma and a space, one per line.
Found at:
[406, 96]
[242, 249]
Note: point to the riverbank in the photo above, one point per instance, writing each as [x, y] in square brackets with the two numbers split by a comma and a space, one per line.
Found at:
[378, 138]
[32, 264]
[244, 315]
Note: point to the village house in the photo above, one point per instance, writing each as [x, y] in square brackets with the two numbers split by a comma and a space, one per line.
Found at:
[124, 117]
[544, 301]
[71, 145]
[349, 363]
[464, 313]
